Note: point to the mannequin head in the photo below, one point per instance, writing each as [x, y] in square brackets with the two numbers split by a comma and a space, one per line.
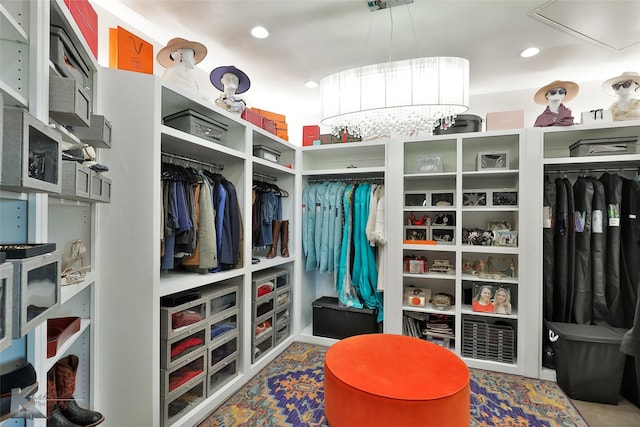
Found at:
[184, 57]
[556, 92]
[626, 85]
[230, 83]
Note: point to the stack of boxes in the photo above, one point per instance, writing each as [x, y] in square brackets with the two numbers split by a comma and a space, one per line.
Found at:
[271, 122]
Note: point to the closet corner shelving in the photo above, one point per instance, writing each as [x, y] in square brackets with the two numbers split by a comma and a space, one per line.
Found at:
[131, 246]
[433, 214]
[553, 151]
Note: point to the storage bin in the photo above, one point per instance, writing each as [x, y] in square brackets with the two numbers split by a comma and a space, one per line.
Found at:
[66, 59]
[266, 153]
[332, 321]
[262, 344]
[6, 289]
[222, 325]
[588, 360]
[262, 308]
[181, 347]
[225, 372]
[69, 102]
[221, 301]
[31, 153]
[36, 291]
[174, 382]
[100, 187]
[178, 406]
[76, 181]
[488, 341]
[183, 317]
[222, 351]
[604, 146]
[198, 124]
[463, 123]
[282, 332]
[631, 380]
[98, 134]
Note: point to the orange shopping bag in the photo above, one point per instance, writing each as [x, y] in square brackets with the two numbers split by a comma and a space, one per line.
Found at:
[129, 52]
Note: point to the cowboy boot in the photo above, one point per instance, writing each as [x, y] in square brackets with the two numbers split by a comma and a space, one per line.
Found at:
[65, 378]
[54, 416]
[284, 239]
[275, 229]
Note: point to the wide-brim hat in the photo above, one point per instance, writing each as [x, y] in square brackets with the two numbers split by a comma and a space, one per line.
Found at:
[571, 88]
[216, 78]
[164, 56]
[627, 75]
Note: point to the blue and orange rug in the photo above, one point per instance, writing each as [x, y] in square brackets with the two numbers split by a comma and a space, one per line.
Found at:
[289, 393]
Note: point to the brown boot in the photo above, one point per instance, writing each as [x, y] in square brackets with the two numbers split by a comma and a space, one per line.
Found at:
[54, 416]
[65, 380]
[284, 239]
[275, 230]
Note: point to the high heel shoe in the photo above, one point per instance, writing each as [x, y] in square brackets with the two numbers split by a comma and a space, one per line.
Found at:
[71, 273]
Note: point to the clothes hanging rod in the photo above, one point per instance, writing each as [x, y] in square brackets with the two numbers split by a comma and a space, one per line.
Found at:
[373, 179]
[265, 177]
[591, 170]
[170, 157]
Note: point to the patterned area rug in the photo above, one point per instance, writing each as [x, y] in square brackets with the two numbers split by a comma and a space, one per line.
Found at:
[289, 392]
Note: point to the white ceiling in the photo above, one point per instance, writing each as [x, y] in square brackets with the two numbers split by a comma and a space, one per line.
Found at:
[310, 39]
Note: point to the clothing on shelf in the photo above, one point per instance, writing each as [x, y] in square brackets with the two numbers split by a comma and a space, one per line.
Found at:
[343, 233]
[200, 220]
[266, 208]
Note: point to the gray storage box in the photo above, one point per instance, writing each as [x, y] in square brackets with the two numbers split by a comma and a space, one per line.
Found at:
[220, 376]
[100, 187]
[69, 102]
[176, 407]
[66, 59]
[266, 153]
[6, 312]
[198, 124]
[76, 181]
[32, 155]
[604, 146]
[98, 134]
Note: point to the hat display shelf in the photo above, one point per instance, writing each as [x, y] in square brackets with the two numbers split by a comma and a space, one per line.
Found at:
[560, 160]
[174, 125]
[37, 211]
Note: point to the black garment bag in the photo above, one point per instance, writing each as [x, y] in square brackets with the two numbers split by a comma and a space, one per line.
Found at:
[630, 254]
[561, 229]
[571, 251]
[582, 284]
[613, 195]
[601, 313]
[549, 203]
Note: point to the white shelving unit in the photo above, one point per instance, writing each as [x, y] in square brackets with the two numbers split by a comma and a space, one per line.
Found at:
[132, 247]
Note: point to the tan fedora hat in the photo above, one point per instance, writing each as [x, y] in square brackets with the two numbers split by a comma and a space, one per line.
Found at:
[164, 56]
[571, 88]
[627, 75]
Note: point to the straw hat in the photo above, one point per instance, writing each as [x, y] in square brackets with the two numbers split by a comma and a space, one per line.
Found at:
[164, 56]
[217, 73]
[627, 75]
[571, 88]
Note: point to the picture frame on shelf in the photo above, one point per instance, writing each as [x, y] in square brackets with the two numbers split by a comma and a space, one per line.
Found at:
[505, 238]
[416, 233]
[443, 234]
[504, 198]
[474, 198]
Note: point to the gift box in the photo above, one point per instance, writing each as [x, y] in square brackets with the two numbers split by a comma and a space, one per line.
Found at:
[596, 116]
[505, 120]
[310, 134]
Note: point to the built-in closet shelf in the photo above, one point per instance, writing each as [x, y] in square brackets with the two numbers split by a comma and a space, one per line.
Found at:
[346, 172]
[492, 173]
[451, 311]
[267, 167]
[493, 209]
[69, 291]
[594, 162]
[490, 249]
[178, 142]
[505, 280]
[443, 276]
[12, 97]
[278, 261]
[466, 309]
[429, 248]
[84, 324]
[12, 195]
[10, 29]
[421, 176]
[173, 282]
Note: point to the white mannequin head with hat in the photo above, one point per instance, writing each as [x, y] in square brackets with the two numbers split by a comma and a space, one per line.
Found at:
[231, 81]
[627, 88]
[179, 57]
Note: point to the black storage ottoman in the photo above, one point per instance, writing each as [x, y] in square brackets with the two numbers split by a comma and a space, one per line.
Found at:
[588, 360]
[332, 321]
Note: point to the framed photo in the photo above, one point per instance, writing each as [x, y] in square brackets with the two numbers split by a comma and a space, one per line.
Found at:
[444, 235]
[474, 199]
[505, 198]
[499, 224]
[442, 198]
[415, 233]
[505, 238]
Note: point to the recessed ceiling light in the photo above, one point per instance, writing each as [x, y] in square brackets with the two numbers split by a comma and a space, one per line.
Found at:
[311, 84]
[529, 52]
[259, 32]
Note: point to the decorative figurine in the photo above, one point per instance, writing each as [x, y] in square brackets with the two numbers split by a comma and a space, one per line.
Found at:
[231, 81]
[553, 95]
[626, 88]
[179, 57]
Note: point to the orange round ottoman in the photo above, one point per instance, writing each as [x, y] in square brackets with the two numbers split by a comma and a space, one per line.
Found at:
[393, 380]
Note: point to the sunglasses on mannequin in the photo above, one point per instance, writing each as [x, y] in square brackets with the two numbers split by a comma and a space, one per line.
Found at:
[625, 85]
[560, 91]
